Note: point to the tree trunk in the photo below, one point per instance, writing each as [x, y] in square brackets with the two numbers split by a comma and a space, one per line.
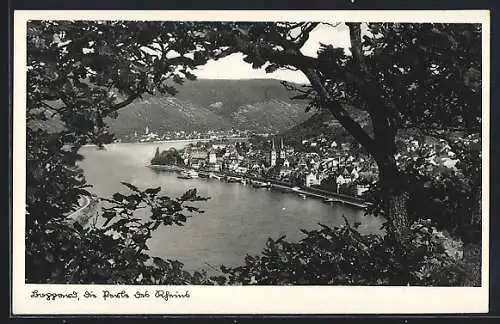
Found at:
[397, 213]
[395, 199]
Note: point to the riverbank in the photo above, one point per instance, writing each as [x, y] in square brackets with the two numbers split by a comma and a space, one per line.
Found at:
[327, 196]
[194, 140]
[86, 211]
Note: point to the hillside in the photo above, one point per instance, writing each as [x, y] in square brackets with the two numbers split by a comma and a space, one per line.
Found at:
[323, 123]
[259, 105]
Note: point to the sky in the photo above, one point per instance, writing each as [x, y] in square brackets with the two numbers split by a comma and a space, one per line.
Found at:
[233, 66]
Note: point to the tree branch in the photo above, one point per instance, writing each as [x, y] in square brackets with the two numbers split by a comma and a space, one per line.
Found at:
[356, 47]
[122, 104]
[384, 124]
[305, 33]
[308, 65]
[340, 113]
[180, 60]
[331, 25]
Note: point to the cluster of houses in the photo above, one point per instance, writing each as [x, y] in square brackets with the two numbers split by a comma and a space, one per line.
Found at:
[281, 162]
[316, 162]
[215, 158]
[149, 135]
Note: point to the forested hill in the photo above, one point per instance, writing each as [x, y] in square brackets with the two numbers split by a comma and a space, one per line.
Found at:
[322, 123]
[260, 105]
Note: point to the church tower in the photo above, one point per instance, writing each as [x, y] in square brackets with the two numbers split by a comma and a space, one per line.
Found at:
[272, 155]
[282, 150]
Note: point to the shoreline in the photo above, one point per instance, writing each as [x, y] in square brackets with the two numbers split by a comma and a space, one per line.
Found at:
[173, 141]
[83, 214]
[311, 192]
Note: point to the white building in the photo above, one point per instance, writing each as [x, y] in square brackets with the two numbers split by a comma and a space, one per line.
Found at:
[233, 165]
[241, 170]
[354, 174]
[361, 189]
[311, 179]
[212, 158]
[341, 180]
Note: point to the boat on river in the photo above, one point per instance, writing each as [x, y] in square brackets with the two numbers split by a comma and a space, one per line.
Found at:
[214, 176]
[330, 200]
[202, 174]
[260, 184]
[184, 175]
[281, 189]
[257, 184]
[190, 174]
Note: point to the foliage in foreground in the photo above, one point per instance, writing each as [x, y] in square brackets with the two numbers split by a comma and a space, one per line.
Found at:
[111, 249]
[81, 73]
[343, 256]
[114, 251]
[449, 196]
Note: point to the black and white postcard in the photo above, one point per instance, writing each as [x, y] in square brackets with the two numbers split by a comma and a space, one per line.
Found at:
[250, 162]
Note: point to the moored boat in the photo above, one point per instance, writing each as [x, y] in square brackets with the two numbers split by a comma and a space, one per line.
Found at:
[215, 176]
[184, 175]
[266, 185]
[257, 184]
[202, 174]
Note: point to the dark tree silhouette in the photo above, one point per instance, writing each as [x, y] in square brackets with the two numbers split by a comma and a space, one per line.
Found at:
[405, 76]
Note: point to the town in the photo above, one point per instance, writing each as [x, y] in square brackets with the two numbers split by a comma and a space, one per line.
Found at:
[315, 163]
[148, 136]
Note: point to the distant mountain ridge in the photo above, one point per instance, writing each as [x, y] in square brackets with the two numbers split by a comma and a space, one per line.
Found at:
[259, 105]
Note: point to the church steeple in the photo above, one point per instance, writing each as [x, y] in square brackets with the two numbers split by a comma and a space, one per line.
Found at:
[282, 150]
[272, 154]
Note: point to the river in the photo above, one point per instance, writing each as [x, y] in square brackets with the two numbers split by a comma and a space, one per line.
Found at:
[237, 220]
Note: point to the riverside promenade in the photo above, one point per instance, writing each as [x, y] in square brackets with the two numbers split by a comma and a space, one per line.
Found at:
[327, 196]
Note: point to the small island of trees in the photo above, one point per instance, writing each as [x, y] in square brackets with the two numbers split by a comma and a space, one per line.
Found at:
[168, 157]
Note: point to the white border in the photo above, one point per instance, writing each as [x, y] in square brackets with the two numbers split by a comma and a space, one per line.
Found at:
[251, 299]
